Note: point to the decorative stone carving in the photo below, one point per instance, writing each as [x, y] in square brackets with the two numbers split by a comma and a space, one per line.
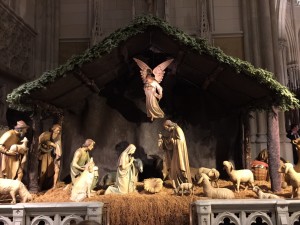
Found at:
[97, 30]
[293, 73]
[16, 43]
[204, 21]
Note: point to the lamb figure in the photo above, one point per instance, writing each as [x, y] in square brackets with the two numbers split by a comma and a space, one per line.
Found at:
[212, 173]
[14, 187]
[22, 148]
[82, 187]
[214, 193]
[262, 195]
[293, 177]
[239, 176]
[184, 187]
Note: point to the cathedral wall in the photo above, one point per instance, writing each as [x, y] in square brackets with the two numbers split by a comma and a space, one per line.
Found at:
[184, 15]
[227, 31]
[226, 17]
[297, 24]
[74, 19]
[232, 46]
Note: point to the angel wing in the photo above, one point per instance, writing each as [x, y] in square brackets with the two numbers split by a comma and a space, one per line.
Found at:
[159, 70]
[144, 67]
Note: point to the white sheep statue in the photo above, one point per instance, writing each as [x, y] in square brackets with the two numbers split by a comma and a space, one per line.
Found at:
[82, 187]
[239, 176]
[181, 188]
[293, 177]
[212, 173]
[262, 195]
[22, 148]
[214, 193]
[14, 187]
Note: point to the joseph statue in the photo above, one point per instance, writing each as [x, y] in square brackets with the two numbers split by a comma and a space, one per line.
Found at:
[176, 154]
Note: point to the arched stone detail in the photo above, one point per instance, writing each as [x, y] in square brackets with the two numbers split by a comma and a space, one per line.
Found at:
[6, 220]
[294, 217]
[231, 216]
[68, 219]
[253, 216]
[46, 219]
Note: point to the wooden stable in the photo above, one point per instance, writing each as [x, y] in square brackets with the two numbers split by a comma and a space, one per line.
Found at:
[99, 95]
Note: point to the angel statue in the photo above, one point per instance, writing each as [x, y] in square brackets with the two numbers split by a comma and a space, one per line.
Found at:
[152, 88]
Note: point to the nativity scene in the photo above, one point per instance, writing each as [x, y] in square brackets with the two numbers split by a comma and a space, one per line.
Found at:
[105, 148]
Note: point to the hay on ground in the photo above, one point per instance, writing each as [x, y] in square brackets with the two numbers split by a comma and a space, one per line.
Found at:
[162, 208]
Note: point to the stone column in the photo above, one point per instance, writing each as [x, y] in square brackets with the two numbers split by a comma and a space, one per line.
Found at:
[282, 214]
[266, 37]
[258, 122]
[203, 210]
[18, 215]
[47, 26]
[267, 53]
[133, 9]
[261, 140]
[167, 11]
[95, 212]
[280, 74]
[254, 34]
[253, 132]
[286, 151]
[282, 45]
[246, 23]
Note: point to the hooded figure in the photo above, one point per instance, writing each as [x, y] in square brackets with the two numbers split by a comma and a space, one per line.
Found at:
[177, 160]
[125, 180]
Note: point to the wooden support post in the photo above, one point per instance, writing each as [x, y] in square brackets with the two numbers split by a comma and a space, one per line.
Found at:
[33, 154]
[273, 144]
[246, 143]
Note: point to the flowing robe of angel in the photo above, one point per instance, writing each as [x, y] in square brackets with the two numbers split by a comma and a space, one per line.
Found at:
[151, 88]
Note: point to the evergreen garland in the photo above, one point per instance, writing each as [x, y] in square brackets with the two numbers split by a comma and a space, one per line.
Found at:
[281, 96]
